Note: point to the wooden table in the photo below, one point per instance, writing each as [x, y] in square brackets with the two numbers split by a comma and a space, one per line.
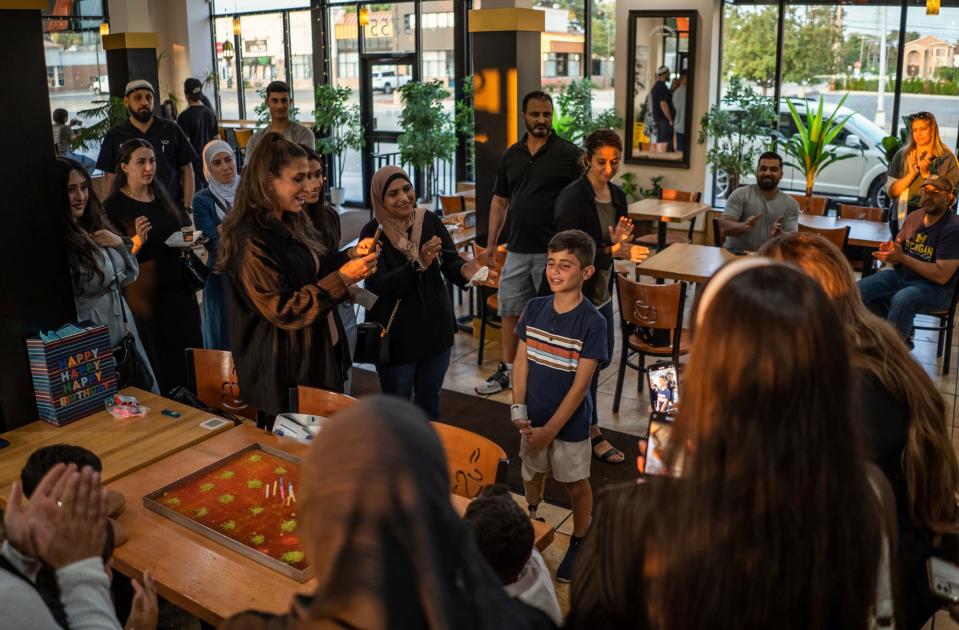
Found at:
[123, 445]
[861, 233]
[207, 579]
[687, 262]
[665, 212]
[462, 238]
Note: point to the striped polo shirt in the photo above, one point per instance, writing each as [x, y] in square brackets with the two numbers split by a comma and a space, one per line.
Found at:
[555, 343]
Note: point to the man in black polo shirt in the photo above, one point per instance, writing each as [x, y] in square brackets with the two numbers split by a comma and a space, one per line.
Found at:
[663, 110]
[532, 173]
[174, 154]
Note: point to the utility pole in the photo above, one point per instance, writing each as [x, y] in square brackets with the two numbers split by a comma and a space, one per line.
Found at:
[881, 91]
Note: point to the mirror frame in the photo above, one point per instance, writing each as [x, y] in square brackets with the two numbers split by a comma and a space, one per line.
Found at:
[633, 17]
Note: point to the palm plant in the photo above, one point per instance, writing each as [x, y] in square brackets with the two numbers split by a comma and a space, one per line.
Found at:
[429, 132]
[574, 119]
[811, 146]
[107, 114]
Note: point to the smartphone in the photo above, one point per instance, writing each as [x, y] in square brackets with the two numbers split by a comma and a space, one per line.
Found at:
[663, 382]
[378, 233]
[943, 579]
[171, 413]
[656, 441]
[4, 443]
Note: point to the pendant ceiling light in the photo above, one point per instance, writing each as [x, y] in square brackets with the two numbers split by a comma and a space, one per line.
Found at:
[364, 16]
[932, 7]
[236, 25]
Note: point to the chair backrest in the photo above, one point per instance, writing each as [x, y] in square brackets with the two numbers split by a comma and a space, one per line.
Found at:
[500, 254]
[319, 402]
[863, 213]
[452, 204]
[812, 205]
[671, 194]
[474, 461]
[243, 136]
[214, 382]
[658, 306]
[713, 217]
[836, 236]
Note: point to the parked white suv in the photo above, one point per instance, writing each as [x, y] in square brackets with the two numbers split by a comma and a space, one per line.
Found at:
[860, 177]
[387, 80]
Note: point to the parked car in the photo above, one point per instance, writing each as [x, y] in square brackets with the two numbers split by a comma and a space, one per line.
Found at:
[388, 80]
[860, 177]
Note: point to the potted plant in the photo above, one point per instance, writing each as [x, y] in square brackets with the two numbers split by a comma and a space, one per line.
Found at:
[735, 128]
[464, 120]
[338, 129]
[109, 113]
[810, 147]
[429, 133]
[575, 118]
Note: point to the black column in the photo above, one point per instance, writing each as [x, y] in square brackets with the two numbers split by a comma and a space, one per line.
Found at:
[506, 65]
[35, 285]
[131, 56]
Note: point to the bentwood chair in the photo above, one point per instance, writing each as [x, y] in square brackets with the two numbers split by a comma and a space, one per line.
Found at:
[318, 402]
[211, 375]
[812, 205]
[474, 461]
[488, 299]
[862, 213]
[671, 194]
[947, 321]
[656, 308]
[451, 204]
[836, 236]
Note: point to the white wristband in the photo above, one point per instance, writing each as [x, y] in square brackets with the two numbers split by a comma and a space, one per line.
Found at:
[518, 412]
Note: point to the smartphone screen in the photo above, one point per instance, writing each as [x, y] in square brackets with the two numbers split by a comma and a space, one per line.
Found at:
[659, 431]
[378, 233]
[663, 389]
[943, 579]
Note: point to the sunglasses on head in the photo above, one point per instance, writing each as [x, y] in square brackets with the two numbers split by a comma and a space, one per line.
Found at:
[921, 116]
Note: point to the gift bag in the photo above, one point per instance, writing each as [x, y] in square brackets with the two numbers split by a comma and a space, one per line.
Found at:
[73, 371]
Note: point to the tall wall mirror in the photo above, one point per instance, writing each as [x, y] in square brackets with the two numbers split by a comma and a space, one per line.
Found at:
[662, 59]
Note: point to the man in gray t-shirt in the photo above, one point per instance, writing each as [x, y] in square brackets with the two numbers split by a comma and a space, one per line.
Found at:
[754, 214]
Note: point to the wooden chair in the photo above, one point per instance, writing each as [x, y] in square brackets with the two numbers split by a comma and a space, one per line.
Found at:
[318, 402]
[242, 137]
[671, 194]
[947, 322]
[488, 299]
[211, 375]
[474, 461]
[812, 205]
[656, 306]
[836, 236]
[714, 217]
[862, 213]
[451, 204]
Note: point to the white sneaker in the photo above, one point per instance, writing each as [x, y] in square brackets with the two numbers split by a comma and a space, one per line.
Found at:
[500, 380]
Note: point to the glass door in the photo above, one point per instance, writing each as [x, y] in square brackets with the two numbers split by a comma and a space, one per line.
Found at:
[380, 108]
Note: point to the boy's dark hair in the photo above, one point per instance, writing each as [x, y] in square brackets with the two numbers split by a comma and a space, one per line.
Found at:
[771, 155]
[504, 534]
[43, 459]
[536, 95]
[60, 116]
[277, 86]
[578, 242]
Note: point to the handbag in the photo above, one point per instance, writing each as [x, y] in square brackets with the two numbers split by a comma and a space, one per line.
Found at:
[195, 272]
[372, 342]
[131, 370]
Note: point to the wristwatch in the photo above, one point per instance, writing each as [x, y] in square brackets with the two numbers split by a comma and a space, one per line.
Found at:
[417, 265]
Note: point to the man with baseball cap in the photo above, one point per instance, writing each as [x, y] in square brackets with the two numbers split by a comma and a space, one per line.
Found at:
[663, 110]
[198, 121]
[925, 259]
[174, 154]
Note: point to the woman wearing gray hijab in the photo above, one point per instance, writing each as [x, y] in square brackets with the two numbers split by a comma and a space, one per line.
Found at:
[210, 207]
[418, 253]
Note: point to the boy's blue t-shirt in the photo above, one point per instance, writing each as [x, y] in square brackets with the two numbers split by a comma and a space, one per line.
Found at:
[555, 342]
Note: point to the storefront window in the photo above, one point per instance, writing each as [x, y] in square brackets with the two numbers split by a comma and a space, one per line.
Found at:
[563, 43]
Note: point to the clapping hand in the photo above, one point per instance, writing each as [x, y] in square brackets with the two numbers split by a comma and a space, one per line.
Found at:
[430, 250]
[144, 611]
[890, 252]
[142, 226]
[106, 238]
[623, 232]
[751, 221]
[777, 227]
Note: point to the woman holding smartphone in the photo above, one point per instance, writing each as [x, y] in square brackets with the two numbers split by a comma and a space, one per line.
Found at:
[284, 291]
[924, 155]
[904, 418]
[597, 206]
[776, 520]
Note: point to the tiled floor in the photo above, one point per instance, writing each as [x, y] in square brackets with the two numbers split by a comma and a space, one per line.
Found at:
[464, 374]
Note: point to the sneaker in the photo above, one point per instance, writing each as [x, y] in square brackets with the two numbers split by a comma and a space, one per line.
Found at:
[500, 380]
[565, 571]
[532, 514]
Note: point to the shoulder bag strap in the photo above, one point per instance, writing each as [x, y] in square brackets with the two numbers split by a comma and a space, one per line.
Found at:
[389, 324]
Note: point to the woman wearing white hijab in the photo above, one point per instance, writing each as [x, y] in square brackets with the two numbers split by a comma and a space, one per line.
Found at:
[210, 207]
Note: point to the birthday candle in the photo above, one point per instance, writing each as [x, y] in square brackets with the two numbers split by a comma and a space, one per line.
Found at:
[274, 488]
[292, 496]
[267, 491]
[282, 493]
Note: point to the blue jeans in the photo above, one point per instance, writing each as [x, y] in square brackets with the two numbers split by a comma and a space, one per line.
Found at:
[891, 295]
[607, 312]
[420, 380]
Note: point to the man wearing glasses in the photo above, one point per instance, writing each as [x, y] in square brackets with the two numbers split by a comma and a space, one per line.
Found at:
[925, 257]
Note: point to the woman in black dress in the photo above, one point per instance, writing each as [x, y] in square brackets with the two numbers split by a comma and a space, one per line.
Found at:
[284, 285]
[413, 303]
[163, 303]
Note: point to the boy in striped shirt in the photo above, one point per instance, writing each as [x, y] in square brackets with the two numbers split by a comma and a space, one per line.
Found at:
[562, 340]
